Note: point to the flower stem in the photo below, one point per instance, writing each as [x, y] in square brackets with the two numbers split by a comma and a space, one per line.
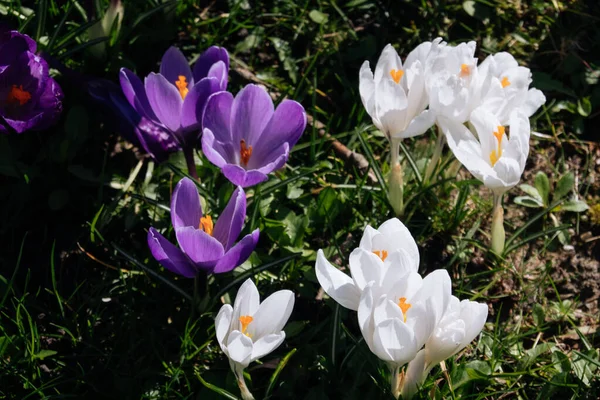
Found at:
[437, 153]
[246, 395]
[396, 379]
[498, 234]
[188, 153]
[396, 180]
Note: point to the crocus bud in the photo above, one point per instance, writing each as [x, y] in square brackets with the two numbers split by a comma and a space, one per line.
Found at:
[396, 189]
[112, 20]
[498, 235]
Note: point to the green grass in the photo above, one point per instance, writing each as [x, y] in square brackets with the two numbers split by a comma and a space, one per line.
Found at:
[86, 312]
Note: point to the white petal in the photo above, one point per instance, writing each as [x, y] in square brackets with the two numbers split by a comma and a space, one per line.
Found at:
[336, 284]
[365, 315]
[414, 376]
[474, 314]
[419, 125]
[239, 347]
[445, 341]
[365, 267]
[272, 314]
[421, 320]
[386, 309]
[246, 303]
[367, 238]
[266, 345]
[534, 100]
[438, 287]
[366, 87]
[400, 237]
[222, 324]
[394, 342]
[388, 60]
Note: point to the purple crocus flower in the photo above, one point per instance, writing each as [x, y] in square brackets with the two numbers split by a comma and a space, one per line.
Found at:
[29, 98]
[246, 137]
[151, 137]
[175, 97]
[202, 245]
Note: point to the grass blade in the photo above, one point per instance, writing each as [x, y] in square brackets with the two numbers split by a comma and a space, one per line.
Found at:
[275, 375]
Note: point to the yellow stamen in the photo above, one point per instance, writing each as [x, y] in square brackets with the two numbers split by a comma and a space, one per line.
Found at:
[396, 74]
[181, 84]
[505, 82]
[18, 95]
[404, 306]
[465, 70]
[496, 154]
[381, 254]
[245, 321]
[206, 224]
[245, 152]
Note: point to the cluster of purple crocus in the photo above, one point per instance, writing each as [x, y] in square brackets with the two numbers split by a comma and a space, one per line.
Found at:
[245, 136]
[29, 98]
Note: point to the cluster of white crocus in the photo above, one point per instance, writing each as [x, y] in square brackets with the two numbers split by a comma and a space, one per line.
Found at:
[250, 329]
[482, 110]
[403, 317]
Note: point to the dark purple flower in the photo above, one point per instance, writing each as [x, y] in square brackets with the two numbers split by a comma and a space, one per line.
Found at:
[202, 245]
[142, 132]
[175, 97]
[246, 137]
[29, 98]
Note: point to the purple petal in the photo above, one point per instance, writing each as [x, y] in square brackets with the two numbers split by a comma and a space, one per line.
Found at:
[165, 101]
[203, 249]
[219, 71]
[275, 160]
[22, 125]
[135, 93]
[195, 102]
[238, 253]
[286, 126]
[215, 151]
[50, 102]
[239, 176]
[169, 256]
[185, 205]
[217, 116]
[230, 222]
[251, 112]
[173, 65]
[211, 56]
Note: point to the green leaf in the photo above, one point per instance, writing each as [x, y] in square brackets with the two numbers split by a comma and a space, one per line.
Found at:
[532, 354]
[584, 106]
[214, 388]
[575, 206]
[318, 16]
[564, 185]
[285, 56]
[561, 361]
[542, 184]
[44, 353]
[539, 315]
[531, 191]
[585, 367]
[280, 367]
[528, 202]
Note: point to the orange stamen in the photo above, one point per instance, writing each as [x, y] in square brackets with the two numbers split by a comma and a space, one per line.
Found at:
[381, 254]
[245, 321]
[496, 154]
[245, 152]
[18, 95]
[396, 74]
[206, 224]
[505, 82]
[404, 306]
[181, 84]
[465, 70]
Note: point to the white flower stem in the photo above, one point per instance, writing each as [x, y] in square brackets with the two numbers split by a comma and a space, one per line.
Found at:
[498, 234]
[396, 381]
[246, 395]
[396, 180]
[437, 153]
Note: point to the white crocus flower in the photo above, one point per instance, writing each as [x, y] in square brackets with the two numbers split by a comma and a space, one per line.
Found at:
[251, 330]
[508, 88]
[397, 322]
[389, 251]
[460, 324]
[493, 157]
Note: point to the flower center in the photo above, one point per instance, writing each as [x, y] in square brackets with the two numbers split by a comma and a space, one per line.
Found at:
[245, 152]
[505, 82]
[181, 84]
[381, 254]
[404, 306]
[18, 95]
[206, 224]
[465, 70]
[396, 74]
[245, 321]
[496, 154]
